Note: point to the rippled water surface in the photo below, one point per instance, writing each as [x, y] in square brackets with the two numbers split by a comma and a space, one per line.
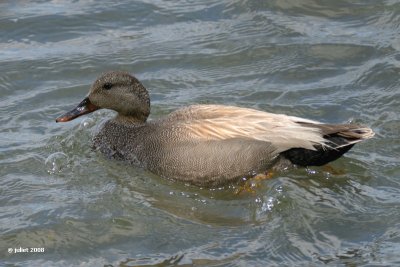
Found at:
[334, 61]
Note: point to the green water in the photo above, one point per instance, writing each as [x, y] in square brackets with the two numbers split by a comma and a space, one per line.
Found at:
[333, 61]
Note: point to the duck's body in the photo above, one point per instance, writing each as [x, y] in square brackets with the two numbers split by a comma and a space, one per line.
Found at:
[208, 145]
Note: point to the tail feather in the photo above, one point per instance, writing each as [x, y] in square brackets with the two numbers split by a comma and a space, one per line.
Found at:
[340, 139]
[355, 135]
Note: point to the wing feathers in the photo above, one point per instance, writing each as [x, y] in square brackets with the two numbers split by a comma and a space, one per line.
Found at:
[214, 122]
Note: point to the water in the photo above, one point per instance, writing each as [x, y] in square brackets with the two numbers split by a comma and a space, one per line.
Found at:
[334, 61]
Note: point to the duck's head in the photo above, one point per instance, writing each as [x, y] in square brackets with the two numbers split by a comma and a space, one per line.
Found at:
[118, 91]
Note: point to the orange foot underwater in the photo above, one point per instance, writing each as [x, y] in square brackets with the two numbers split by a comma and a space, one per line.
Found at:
[250, 185]
[332, 170]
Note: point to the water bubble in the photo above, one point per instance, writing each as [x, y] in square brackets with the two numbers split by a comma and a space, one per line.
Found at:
[350, 120]
[56, 162]
[279, 189]
[268, 205]
[86, 123]
[311, 171]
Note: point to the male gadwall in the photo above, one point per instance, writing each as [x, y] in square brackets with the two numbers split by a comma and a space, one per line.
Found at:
[207, 145]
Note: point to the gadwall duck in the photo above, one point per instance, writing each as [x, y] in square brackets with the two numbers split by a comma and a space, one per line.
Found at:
[207, 145]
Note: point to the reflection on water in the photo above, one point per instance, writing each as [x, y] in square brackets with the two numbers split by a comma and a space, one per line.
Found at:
[329, 61]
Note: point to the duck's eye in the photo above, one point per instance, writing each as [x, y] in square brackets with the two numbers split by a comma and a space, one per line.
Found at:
[107, 86]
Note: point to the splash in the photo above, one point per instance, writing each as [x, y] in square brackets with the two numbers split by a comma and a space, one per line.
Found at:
[56, 162]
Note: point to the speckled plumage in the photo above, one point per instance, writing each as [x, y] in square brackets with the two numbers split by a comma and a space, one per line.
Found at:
[165, 149]
[207, 145]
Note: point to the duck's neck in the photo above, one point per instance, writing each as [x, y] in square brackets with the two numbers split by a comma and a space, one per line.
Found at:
[129, 120]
